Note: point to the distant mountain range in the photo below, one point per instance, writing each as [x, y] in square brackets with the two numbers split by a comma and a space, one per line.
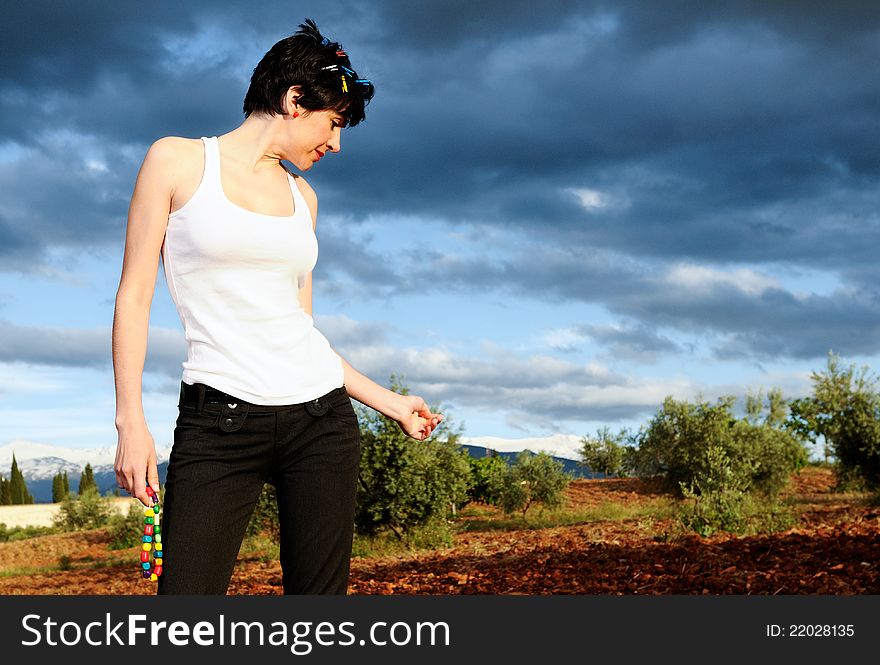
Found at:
[564, 448]
[39, 462]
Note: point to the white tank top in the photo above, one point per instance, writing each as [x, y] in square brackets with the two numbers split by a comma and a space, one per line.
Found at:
[233, 275]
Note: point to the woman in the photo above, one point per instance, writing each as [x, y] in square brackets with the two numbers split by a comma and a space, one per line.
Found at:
[263, 397]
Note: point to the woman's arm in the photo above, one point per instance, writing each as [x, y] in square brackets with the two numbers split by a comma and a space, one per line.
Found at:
[147, 219]
[410, 411]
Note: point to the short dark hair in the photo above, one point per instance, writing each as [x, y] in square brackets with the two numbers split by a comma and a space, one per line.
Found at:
[303, 59]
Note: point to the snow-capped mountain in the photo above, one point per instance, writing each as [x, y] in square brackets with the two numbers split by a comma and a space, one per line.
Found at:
[42, 460]
[39, 462]
[558, 445]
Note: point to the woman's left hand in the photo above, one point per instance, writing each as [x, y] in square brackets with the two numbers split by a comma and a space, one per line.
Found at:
[417, 422]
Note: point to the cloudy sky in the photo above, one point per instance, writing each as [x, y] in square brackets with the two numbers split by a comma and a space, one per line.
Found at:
[548, 222]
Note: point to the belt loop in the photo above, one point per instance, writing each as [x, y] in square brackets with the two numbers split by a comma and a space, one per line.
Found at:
[201, 399]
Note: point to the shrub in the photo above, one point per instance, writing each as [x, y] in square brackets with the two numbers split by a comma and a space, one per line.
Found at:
[9, 534]
[723, 466]
[606, 453]
[531, 479]
[844, 410]
[767, 457]
[126, 530]
[761, 454]
[441, 476]
[718, 494]
[487, 474]
[404, 483]
[88, 510]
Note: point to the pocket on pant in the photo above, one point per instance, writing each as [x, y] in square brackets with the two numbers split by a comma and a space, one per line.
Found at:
[340, 405]
[344, 411]
[189, 417]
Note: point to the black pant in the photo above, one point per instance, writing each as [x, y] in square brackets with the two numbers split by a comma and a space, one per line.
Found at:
[224, 451]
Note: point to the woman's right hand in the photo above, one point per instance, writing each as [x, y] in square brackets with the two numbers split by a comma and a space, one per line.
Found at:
[416, 419]
[135, 463]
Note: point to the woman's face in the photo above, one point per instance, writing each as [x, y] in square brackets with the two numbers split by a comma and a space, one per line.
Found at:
[314, 134]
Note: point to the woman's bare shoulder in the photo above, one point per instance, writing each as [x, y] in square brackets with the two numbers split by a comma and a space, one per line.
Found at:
[175, 148]
[179, 163]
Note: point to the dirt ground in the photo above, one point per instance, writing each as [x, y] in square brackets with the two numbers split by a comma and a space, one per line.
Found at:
[834, 549]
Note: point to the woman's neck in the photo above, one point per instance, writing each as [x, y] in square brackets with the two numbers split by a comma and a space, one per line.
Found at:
[257, 142]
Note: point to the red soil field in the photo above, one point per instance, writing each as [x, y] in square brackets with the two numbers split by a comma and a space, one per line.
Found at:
[834, 549]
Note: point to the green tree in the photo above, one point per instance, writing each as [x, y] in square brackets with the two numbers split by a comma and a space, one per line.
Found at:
[606, 453]
[672, 442]
[718, 494]
[844, 412]
[725, 466]
[761, 453]
[66, 484]
[87, 479]
[18, 486]
[404, 483]
[770, 451]
[487, 474]
[57, 487]
[532, 479]
[441, 478]
[5, 492]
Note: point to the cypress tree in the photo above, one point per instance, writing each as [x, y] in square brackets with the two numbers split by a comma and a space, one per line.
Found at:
[5, 492]
[57, 488]
[16, 483]
[66, 485]
[18, 487]
[14, 486]
[86, 480]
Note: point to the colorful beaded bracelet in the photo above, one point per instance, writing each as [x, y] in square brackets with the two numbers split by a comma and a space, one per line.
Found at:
[152, 540]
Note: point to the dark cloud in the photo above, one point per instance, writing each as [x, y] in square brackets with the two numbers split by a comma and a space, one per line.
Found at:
[17, 248]
[356, 271]
[554, 390]
[637, 342]
[345, 333]
[69, 45]
[49, 204]
[630, 342]
[737, 312]
[742, 137]
[705, 116]
[706, 133]
[76, 347]
[539, 389]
